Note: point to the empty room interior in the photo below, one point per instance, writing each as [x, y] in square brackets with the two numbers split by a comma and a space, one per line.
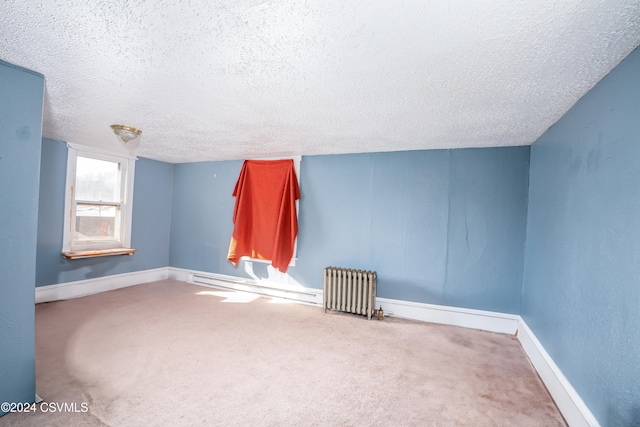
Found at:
[191, 191]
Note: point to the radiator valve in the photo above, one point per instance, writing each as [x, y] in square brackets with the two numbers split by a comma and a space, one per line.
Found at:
[380, 313]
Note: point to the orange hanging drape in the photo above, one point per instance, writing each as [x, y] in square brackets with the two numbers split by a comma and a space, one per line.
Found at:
[264, 217]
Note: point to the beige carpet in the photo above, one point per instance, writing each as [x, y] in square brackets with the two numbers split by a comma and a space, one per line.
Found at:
[172, 354]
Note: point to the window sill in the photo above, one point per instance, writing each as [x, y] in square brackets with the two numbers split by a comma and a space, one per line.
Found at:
[103, 252]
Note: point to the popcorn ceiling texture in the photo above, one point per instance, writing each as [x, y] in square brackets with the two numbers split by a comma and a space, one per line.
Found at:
[247, 78]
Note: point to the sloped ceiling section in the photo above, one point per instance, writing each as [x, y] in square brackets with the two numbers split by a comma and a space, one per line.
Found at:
[239, 79]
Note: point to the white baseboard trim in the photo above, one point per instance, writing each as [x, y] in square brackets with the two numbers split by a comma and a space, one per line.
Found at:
[179, 274]
[569, 402]
[468, 318]
[86, 287]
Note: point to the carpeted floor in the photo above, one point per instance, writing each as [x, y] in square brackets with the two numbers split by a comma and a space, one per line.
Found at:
[169, 353]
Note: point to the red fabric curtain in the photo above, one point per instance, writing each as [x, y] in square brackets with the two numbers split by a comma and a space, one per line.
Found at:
[264, 217]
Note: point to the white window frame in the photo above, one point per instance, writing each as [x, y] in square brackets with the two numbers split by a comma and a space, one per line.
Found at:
[296, 167]
[127, 170]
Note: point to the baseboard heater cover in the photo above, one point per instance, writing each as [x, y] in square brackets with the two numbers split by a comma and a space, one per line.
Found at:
[349, 290]
[246, 285]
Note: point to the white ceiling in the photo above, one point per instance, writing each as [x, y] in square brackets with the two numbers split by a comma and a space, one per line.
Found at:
[218, 80]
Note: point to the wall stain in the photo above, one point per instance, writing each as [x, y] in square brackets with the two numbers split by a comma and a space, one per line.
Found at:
[23, 133]
[593, 160]
[575, 164]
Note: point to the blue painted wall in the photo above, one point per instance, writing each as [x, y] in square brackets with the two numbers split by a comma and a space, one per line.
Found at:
[21, 101]
[153, 190]
[582, 275]
[201, 215]
[440, 226]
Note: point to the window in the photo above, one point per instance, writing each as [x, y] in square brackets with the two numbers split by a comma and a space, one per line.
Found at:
[98, 203]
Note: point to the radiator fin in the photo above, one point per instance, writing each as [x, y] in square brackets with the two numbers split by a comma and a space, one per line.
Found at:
[349, 290]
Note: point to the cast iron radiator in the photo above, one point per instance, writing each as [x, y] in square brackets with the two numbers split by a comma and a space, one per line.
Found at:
[353, 291]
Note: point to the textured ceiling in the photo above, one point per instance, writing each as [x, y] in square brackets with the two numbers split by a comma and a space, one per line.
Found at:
[217, 80]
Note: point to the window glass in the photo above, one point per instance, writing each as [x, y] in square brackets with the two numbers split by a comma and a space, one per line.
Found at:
[97, 223]
[97, 180]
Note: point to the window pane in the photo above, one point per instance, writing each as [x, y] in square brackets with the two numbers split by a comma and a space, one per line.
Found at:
[97, 223]
[97, 180]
